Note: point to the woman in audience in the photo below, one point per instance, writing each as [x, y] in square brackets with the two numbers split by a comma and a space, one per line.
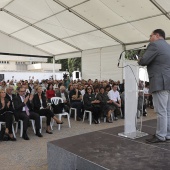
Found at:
[107, 106]
[96, 90]
[107, 88]
[3, 85]
[50, 92]
[90, 103]
[70, 87]
[40, 107]
[6, 116]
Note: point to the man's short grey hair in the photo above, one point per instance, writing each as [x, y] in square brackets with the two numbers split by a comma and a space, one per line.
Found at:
[62, 88]
[9, 86]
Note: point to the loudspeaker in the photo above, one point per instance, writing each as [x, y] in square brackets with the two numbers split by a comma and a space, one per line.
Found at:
[1, 77]
[77, 75]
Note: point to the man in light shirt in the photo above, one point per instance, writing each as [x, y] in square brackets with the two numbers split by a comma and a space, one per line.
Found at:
[115, 97]
[64, 95]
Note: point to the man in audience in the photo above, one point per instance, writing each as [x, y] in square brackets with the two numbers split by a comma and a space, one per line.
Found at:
[64, 95]
[115, 97]
[23, 108]
[10, 96]
[76, 100]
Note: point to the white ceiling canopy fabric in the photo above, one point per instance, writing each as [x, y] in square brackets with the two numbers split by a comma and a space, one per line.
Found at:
[33, 36]
[66, 26]
[91, 40]
[33, 10]
[57, 47]
[4, 3]
[128, 33]
[10, 24]
[165, 4]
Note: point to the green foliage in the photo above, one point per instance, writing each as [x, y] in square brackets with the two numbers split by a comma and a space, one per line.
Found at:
[63, 63]
[70, 64]
[130, 55]
[49, 60]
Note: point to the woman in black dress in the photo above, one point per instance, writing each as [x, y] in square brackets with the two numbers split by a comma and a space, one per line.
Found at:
[91, 104]
[6, 115]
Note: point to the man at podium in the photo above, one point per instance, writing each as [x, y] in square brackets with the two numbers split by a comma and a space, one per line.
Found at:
[157, 60]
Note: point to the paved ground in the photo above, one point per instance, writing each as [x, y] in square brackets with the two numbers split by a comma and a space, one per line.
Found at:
[32, 154]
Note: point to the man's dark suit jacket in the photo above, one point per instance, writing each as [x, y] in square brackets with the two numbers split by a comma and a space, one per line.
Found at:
[18, 104]
[11, 101]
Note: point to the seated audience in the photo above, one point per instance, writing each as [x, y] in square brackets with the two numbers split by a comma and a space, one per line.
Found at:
[107, 106]
[10, 96]
[107, 88]
[50, 92]
[24, 111]
[6, 116]
[40, 107]
[76, 101]
[115, 97]
[64, 95]
[96, 90]
[90, 103]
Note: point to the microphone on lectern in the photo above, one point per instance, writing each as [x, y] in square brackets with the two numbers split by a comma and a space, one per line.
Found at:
[128, 50]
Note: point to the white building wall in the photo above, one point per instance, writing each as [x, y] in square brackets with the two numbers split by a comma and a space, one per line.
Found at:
[8, 67]
[43, 66]
[22, 59]
[31, 75]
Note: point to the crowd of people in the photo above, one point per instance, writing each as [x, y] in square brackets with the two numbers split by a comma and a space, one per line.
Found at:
[27, 100]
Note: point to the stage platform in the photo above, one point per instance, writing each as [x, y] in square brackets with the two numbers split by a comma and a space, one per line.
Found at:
[105, 150]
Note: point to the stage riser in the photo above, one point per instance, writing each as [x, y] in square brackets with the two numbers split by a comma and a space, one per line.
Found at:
[60, 159]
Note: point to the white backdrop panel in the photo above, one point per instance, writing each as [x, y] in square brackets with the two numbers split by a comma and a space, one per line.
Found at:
[91, 64]
[109, 60]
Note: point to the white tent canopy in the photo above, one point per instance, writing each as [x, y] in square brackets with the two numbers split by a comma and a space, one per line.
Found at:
[60, 27]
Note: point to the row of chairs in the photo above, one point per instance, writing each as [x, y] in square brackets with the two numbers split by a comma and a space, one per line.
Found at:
[54, 100]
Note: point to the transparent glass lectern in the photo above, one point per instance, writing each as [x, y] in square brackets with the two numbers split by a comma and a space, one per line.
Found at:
[131, 76]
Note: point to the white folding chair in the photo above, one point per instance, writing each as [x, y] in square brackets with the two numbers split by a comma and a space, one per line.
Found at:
[72, 109]
[21, 126]
[89, 117]
[75, 112]
[13, 131]
[55, 100]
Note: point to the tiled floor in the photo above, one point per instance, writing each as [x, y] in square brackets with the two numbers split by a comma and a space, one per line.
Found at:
[32, 154]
